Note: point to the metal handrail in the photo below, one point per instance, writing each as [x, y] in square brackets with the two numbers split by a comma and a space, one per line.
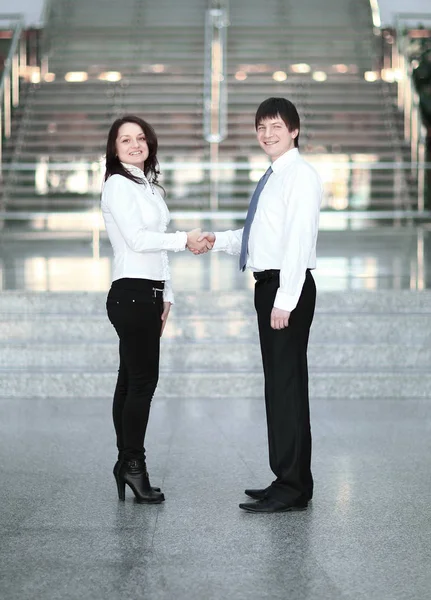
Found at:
[46, 10]
[46, 13]
[215, 84]
[375, 13]
[411, 16]
[9, 84]
[11, 17]
[408, 100]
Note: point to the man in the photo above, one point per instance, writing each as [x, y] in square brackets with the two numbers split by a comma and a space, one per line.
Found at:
[278, 243]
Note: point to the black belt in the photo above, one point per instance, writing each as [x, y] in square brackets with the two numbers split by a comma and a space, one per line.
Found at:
[268, 274]
[130, 284]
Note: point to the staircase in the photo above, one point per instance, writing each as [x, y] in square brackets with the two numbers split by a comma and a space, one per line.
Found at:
[363, 345]
[56, 151]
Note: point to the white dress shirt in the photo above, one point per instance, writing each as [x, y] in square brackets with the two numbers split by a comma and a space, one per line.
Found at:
[283, 234]
[136, 218]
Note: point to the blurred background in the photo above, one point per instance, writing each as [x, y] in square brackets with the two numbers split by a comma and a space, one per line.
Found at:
[359, 72]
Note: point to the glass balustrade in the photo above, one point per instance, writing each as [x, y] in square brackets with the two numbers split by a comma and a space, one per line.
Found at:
[368, 257]
[351, 182]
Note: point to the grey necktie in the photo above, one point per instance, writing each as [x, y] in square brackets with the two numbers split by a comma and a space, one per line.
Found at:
[249, 219]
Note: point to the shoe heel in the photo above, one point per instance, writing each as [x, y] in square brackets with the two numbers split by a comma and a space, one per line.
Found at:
[121, 487]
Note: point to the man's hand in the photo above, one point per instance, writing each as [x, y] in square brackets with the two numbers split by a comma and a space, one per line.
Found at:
[165, 315]
[279, 318]
[209, 236]
[204, 242]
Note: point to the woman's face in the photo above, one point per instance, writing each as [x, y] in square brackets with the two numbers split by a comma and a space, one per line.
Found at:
[131, 145]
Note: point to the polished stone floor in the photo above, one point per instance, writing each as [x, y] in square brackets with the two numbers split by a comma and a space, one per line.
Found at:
[65, 536]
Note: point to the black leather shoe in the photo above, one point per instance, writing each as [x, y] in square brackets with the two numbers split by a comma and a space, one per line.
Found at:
[260, 494]
[134, 474]
[116, 471]
[270, 505]
[257, 494]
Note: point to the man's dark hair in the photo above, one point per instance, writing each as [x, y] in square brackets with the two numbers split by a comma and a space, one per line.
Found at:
[279, 107]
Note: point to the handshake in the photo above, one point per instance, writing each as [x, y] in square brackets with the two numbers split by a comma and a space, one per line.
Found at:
[200, 242]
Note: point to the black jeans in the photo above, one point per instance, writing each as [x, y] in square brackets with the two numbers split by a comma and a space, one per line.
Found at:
[284, 357]
[135, 310]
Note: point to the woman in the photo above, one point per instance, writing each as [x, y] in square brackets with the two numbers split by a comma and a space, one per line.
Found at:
[140, 297]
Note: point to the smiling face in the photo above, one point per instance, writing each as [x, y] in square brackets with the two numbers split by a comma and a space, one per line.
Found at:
[274, 137]
[131, 145]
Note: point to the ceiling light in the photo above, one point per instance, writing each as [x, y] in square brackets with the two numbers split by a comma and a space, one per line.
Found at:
[370, 76]
[300, 68]
[341, 68]
[279, 76]
[76, 76]
[110, 76]
[158, 68]
[319, 76]
[259, 68]
[241, 75]
[388, 75]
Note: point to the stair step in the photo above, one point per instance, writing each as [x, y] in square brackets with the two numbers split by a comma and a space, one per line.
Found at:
[225, 357]
[95, 127]
[243, 97]
[169, 136]
[363, 329]
[18, 304]
[382, 179]
[212, 384]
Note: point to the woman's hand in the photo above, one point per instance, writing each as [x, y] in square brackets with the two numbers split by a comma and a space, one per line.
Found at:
[165, 315]
[195, 246]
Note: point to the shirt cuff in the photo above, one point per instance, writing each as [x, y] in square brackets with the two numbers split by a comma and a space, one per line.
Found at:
[168, 294]
[285, 301]
[181, 242]
[221, 243]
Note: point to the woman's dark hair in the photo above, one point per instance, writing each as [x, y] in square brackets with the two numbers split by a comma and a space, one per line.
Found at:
[279, 107]
[113, 164]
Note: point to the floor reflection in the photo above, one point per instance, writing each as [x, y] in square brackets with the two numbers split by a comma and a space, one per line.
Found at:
[372, 258]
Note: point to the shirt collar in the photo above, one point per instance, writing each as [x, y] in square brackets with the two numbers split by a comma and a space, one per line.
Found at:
[134, 170]
[285, 159]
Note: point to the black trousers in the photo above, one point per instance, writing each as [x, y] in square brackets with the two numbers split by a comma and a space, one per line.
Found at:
[284, 357]
[134, 309]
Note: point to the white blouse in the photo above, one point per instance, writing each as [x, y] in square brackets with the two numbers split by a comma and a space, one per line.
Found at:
[136, 218]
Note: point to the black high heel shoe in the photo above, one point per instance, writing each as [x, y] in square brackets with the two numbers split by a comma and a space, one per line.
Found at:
[134, 473]
[116, 472]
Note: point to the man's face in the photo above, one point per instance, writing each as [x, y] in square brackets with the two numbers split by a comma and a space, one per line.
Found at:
[274, 137]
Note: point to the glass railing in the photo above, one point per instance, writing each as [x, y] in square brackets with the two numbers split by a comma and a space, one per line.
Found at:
[355, 183]
[72, 252]
[412, 37]
[9, 82]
